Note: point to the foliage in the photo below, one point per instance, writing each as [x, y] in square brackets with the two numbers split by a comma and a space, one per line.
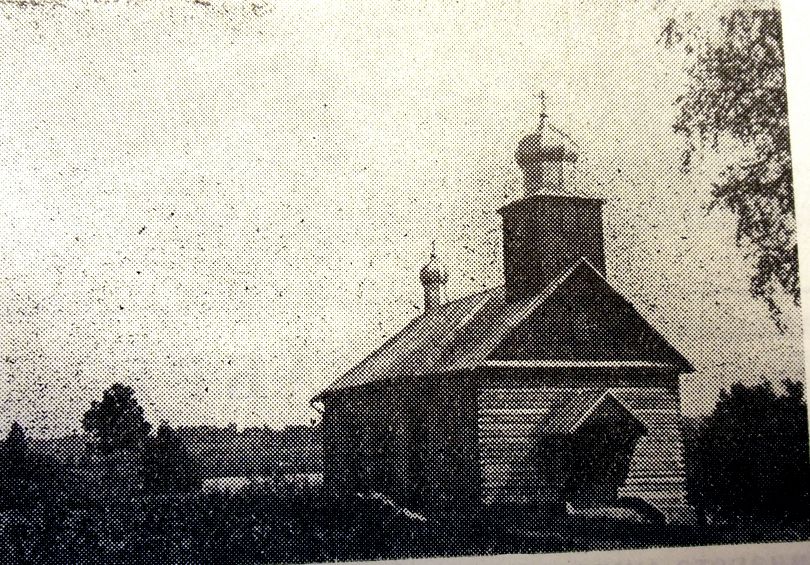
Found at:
[166, 465]
[117, 421]
[736, 103]
[14, 468]
[16, 444]
[749, 458]
[96, 512]
[26, 478]
[40, 520]
[257, 525]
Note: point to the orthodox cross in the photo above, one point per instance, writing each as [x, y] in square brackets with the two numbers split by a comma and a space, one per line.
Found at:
[543, 115]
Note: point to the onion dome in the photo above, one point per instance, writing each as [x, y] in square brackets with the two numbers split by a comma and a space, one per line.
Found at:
[544, 146]
[434, 272]
[545, 157]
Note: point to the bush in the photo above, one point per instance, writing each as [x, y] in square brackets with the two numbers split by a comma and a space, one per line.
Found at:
[748, 460]
[166, 465]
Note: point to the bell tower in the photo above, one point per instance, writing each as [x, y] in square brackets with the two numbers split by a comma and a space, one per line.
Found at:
[549, 229]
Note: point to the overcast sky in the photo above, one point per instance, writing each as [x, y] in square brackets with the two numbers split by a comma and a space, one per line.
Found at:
[226, 209]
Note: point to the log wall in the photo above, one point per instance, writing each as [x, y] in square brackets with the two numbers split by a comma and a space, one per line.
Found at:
[657, 469]
[415, 444]
[365, 443]
[516, 458]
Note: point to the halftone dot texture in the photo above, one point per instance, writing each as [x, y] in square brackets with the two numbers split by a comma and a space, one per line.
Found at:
[228, 210]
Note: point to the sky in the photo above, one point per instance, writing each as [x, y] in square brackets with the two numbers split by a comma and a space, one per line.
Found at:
[226, 206]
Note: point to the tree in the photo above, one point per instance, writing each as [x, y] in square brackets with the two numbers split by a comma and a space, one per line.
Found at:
[14, 468]
[166, 465]
[736, 104]
[28, 477]
[15, 447]
[749, 457]
[117, 421]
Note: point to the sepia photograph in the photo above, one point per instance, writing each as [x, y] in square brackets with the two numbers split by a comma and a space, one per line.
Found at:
[302, 282]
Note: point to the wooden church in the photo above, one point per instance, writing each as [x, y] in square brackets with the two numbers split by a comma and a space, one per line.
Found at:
[550, 393]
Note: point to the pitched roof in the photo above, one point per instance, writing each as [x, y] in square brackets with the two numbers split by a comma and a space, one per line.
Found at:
[570, 323]
[417, 348]
[568, 417]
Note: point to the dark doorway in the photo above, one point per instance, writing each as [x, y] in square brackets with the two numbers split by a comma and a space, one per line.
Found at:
[601, 449]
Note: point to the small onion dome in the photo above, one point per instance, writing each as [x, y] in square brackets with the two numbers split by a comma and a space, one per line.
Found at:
[537, 148]
[434, 272]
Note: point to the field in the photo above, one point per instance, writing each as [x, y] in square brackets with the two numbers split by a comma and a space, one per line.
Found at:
[220, 452]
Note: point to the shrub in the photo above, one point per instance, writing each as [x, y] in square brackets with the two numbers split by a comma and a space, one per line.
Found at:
[749, 458]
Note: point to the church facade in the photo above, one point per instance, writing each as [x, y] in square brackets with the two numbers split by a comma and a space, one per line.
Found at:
[549, 394]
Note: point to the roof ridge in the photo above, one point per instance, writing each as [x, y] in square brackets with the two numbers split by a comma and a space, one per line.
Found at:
[473, 302]
[621, 293]
[462, 334]
[568, 417]
[452, 335]
[411, 322]
[479, 300]
[539, 299]
[465, 297]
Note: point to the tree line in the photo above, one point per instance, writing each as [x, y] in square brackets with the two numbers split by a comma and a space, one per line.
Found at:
[747, 475]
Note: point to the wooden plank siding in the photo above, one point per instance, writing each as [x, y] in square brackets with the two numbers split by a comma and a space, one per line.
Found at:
[481, 440]
[657, 469]
[364, 442]
[510, 416]
[511, 413]
[415, 444]
[453, 464]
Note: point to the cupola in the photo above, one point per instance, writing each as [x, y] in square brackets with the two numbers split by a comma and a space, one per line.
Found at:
[545, 156]
[548, 230]
[434, 278]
